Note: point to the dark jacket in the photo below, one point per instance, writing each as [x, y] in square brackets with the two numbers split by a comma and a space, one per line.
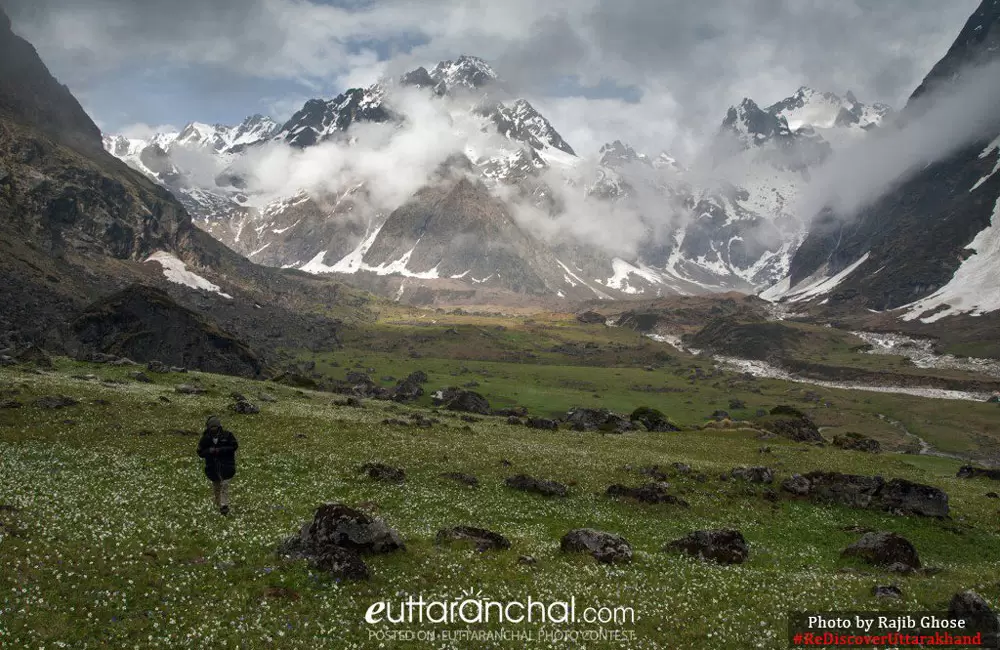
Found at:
[220, 465]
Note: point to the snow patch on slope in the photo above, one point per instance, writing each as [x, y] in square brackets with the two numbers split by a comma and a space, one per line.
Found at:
[811, 287]
[973, 289]
[176, 271]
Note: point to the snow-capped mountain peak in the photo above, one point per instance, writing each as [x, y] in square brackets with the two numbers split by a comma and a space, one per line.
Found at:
[468, 72]
[826, 110]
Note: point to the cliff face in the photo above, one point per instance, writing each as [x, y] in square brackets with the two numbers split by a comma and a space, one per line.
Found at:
[917, 235]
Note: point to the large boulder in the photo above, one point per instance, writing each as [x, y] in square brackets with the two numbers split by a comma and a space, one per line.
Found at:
[584, 419]
[335, 539]
[968, 603]
[383, 472]
[541, 423]
[652, 419]
[648, 493]
[407, 390]
[796, 484]
[460, 399]
[968, 471]
[482, 539]
[897, 496]
[857, 442]
[908, 498]
[335, 524]
[144, 323]
[722, 546]
[543, 487]
[849, 490]
[604, 547]
[790, 423]
[753, 474]
[884, 548]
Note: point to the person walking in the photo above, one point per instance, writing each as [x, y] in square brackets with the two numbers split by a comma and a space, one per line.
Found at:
[218, 447]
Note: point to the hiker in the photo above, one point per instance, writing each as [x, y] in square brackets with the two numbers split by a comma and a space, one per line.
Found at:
[218, 447]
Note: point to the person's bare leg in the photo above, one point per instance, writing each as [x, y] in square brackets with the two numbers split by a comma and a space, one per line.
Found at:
[224, 497]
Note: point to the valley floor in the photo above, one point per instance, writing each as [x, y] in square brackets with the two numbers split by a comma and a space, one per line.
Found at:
[108, 536]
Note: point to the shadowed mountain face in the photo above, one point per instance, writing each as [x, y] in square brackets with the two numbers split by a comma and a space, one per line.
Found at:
[917, 235]
[30, 95]
[76, 224]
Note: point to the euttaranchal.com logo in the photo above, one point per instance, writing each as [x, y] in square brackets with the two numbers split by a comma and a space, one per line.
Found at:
[473, 608]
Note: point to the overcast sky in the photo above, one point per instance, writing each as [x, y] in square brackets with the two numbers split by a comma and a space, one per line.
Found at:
[659, 73]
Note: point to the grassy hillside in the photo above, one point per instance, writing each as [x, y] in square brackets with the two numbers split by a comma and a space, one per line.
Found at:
[110, 538]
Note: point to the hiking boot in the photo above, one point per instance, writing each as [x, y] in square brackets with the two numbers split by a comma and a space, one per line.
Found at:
[224, 510]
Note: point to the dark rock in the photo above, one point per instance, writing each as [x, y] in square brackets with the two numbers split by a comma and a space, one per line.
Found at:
[753, 474]
[459, 399]
[968, 603]
[158, 367]
[55, 402]
[465, 479]
[335, 537]
[189, 389]
[484, 540]
[354, 377]
[652, 419]
[968, 471]
[407, 390]
[527, 560]
[342, 563]
[591, 318]
[243, 407]
[844, 489]
[543, 487]
[648, 493]
[857, 442]
[883, 549]
[909, 498]
[352, 402]
[10, 404]
[654, 472]
[722, 546]
[720, 415]
[604, 547]
[791, 423]
[145, 323]
[583, 419]
[417, 377]
[35, 356]
[737, 404]
[886, 591]
[796, 484]
[382, 472]
[515, 412]
[514, 420]
[681, 468]
[992, 495]
[140, 377]
[542, 423]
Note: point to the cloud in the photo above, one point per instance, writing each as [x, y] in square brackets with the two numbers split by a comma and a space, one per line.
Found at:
[696, 58]
[950, 118]
[143, 131]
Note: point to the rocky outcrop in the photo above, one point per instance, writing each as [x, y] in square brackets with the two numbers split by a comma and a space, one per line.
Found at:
[145, 324]
[482, 539]
[585, 419]
[462, 400]
[884, 549]
[652, 419]
[604, 547]
[648, 493]
[722, 546]
[336, 537]
[544, 487]
[898, 496]
[968, 471]
[857, 442]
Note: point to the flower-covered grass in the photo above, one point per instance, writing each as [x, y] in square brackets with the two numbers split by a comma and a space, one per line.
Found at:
[108, 537]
